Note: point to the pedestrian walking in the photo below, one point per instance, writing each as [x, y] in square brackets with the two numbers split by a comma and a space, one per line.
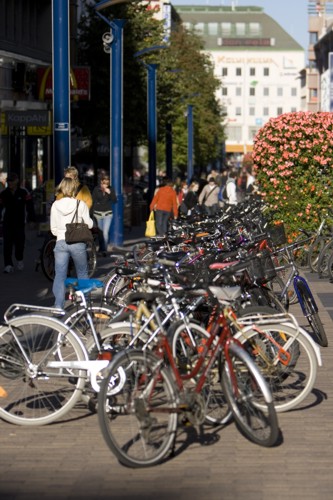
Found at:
[231, 188]
[103, 198]
[82, 191]
[190, 200]
[16, 208]
[165, 204]
[209, 197]
[62, 212]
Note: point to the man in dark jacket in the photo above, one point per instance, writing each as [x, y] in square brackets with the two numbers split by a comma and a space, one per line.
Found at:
[15, 205]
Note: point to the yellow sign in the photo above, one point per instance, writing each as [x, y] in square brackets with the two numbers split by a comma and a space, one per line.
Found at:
[3, 126]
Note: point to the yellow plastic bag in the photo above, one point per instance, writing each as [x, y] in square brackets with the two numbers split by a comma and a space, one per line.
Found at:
[150, 226]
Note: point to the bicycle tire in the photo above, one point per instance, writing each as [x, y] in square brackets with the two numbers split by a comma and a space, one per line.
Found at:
[316, 253]
[48, 265]
[76, 317]
[138, 417]
[323, 259]
[187, 344]
[37, 394]
[290, 383]
[330, 268]
[250, 401]
[312, 315]
[47, 258]
[301, 252]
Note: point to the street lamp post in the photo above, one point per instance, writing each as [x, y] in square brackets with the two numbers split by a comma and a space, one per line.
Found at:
[189, 143]
[116, 124]
[152, 116]
[61, 87]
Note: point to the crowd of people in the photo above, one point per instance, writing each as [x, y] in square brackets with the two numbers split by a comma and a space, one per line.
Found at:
[171, 198]
[207, 193]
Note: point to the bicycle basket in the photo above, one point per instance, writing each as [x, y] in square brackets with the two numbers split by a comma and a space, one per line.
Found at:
[255, 270]
[277, 234]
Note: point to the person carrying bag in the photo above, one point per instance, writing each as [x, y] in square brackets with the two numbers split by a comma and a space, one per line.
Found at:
[63, 214]
[77, 232]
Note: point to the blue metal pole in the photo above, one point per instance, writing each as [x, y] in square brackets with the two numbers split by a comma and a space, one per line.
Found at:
[189, 142]
[168, 150]
[61, 87]
[152, 128]
[116, 130]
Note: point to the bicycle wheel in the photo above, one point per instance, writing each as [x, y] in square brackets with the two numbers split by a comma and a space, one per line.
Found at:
[317, 253]
[77, 318]
[330, 268]
[187, 344]
[137, 410]
[323, 259]
[38, 394]
[301, 252]
[286, 360]
[249, 398]
[47, 258]
[311, 314]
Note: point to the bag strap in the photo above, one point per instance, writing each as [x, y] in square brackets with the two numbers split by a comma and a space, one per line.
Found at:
[75, 216]
[210, 192]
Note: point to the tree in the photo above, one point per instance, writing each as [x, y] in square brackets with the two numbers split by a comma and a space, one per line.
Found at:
[194, 79]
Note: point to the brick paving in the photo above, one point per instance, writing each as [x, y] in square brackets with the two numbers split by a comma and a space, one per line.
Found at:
[69, 459]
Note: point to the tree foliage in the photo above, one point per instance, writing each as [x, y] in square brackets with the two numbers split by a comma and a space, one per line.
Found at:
[184, 76]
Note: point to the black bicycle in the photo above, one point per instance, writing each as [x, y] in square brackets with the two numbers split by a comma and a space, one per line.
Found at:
[46, 259]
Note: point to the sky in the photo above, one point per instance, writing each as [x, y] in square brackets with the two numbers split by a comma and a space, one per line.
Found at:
[292, 15]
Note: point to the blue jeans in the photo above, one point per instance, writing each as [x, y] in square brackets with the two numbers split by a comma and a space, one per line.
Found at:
[62, 253]
[161, 219]
[103, 224]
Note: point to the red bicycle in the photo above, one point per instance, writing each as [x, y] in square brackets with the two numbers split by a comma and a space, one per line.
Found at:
[143, 393]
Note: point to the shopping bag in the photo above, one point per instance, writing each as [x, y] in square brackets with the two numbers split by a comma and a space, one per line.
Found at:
[150, 226]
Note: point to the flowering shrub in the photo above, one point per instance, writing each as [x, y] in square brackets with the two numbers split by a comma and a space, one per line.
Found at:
[293, 162]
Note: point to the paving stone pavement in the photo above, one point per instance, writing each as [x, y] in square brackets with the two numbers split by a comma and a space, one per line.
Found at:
[70, 460]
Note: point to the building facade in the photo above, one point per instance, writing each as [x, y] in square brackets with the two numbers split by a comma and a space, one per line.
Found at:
[258, 65]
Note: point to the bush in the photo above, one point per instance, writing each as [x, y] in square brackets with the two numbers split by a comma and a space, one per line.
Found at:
[293, 160]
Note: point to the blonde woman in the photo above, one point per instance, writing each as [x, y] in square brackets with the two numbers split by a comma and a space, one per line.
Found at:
[62, 212]
[82, 192]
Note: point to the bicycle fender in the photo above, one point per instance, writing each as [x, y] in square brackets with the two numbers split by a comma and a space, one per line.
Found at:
[302, 331]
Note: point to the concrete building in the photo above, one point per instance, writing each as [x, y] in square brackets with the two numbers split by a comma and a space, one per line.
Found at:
[257, 62]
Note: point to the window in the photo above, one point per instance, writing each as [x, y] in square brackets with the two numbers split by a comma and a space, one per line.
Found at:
[226, 29]
[252, 110]
[199, 27]
[238, 71]
[313, 37]
[238, 111]
[265, 111]
[234, 134]
[238, 91]
[252, 71]
[293, 91]
[212, 28]
[266, 91]
[240, 29]
[254, 29]
[313, 94]
[279, 91]
[252, 91]
[253, 132]
[224, 71]
[224, 91]
[266, 71]
[279, 111]
[293, 110]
